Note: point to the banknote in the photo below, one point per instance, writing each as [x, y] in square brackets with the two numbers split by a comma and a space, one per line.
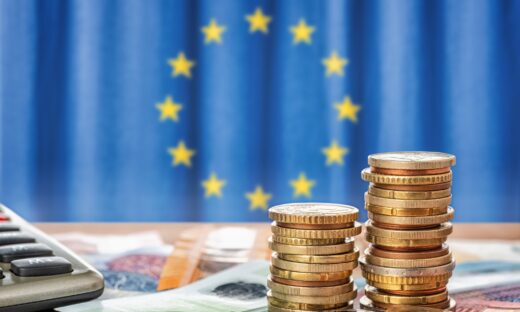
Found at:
[241, 288]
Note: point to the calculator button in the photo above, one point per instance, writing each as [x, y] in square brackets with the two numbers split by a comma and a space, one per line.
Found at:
[4, 217]
[1, 273]
[9, 227]
[20, 251]
[43, 266]
[9, 238]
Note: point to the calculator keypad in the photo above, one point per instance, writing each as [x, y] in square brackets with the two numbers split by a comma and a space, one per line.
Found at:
[42, 266]
[10, 238]
[20, 251]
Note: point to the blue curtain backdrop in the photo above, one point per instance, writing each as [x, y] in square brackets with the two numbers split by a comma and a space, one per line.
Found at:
[80, 84]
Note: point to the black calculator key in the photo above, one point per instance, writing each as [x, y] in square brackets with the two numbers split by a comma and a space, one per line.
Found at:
[43, 266]
[1, 273]
[9, 238]
[20, 251]
[9, 227]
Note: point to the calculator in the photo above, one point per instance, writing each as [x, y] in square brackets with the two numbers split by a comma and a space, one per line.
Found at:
[38, 273]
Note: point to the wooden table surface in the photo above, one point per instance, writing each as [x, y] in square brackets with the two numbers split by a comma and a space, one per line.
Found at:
[170, 231]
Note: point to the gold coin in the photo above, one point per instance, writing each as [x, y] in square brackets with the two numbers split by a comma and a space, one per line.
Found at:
[301, 306]
[315, 226]
[306, 241]
[343, 298]
[405, 203]
[309, 277]
[408, 171]
[408, 272]
[433, 253]
[313, 213]
[408, 195]
[442, 231]
[271, 308]
[311, 267]
[377, 296]
[367, 304]
[413, 188]
[415, 221]
[368, 176]
[407, 263]
[405, 243]
[348, 246]
[339, 258]
[408, 287]
[310, 284]
[309, 291]
[406, 212]
[411, 160]
[406, 280]
[316, 234]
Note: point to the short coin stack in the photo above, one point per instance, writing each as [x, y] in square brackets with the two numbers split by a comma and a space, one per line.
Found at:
[408, 262]
[313, 257]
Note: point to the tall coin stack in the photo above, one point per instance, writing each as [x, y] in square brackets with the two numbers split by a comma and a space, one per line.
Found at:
[313, 257]
[408, 262]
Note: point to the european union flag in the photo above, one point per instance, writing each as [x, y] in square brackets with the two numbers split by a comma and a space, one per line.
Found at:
[215, 110]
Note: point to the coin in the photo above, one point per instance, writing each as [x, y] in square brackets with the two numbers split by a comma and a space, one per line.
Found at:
[369, 176]
[406, 212]
[408, 195]
[310, 283]
[339, 258]
[442, 231]
[368, 304]
[271, 308]
[309, 291]
[309, 277]
[405, 203]
[409, 172]
[409, 288]
[404, 244]
[427, 220]
[313, 213]
[315, 226]
[316, 234]
[343, 298]
[414, 188]
[406, 280]
[348, 246]
[409, 272]
[377, 296]
[411, 160]
[407, 263]
[301, 306]
[312, 267]
[307, 242]
[434, 253]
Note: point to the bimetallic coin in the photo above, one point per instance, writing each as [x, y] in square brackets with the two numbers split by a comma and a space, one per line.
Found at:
[369, 176]
[408, 195]
[343, 298]
[407, 263]
[415, 221]
[315, 226]
[434, 253]
[313, 213]
[309, 291]
[410, 288]
[416, 272]
[348, 246]
[339, 258]
[405, 203]
[310, 284]
[309, 277]
[406, 212]
[301, 306]
[413, 188]
[404, 244]
[411, 160]
[368, 304]
[311, 267]
[316, 234]
[441, 231]
[408, 172]
[306, 241]
[377, 296]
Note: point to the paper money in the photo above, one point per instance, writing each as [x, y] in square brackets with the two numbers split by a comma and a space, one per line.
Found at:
[241, 288]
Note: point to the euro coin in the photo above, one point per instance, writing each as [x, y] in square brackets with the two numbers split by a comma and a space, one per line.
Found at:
[343, 298]
[271, 308]
[310, 291]
[426, 254]
[408, 263]
[313, 213]
[406, 212]
[408, 272]
[404, 203]
[369, 176]
[414, 221]
[301, 306]
[316, 234]
[304, 226]
[339, 258]
[404, 244]
[409, 172]
[411, 160]
[311, 267]
[368, 304]
[306, 241]
[378, 296]
[441, 231]
[348, 246]
[413, 188]
[408, 195]
[309, 277]
[310, 283]
[410, 288]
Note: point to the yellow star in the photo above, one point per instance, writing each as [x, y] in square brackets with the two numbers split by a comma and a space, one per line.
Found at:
[302, 186]
[334, 64]
[258, 199]
[302, 32]
[258, 21]
[334, 153]
[181, 65]
[169, 109]
[181, 154]
[347, 109]
[213, 32]
[213, 186]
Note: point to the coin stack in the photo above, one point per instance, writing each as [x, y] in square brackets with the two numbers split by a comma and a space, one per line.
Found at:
[408, 262]
[313, 257]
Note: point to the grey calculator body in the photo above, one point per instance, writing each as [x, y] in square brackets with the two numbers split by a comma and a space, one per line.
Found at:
[45, 290]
